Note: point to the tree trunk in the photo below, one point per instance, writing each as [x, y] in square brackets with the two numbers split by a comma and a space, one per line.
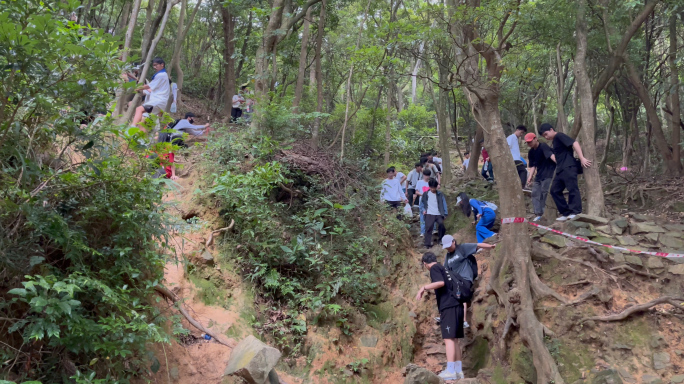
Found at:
[150, 54]
[562, 121]
[388, 126]
[183, 29]
[125, 12]
[414, 74]
[454, 124]
[299, 87]
[151, 25]
[444, 136]
[604, 159]
[595, 199]
[371, 131]
[228, 59]
[319, 76]
[674, 94]
[126, 50]
[672, 167]
[243, 49]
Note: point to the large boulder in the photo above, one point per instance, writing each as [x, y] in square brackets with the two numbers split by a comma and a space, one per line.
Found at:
[419, 375]
[253, 361]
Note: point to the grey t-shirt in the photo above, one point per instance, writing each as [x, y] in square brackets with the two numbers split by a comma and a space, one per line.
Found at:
[457, 261]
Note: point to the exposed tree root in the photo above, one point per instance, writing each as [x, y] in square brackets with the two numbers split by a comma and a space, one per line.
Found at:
[676, 302]
[210, 240]
[540, 289]
[586, 295]
[542, 253]
[630, 269]
[230, 343]
[581, 282]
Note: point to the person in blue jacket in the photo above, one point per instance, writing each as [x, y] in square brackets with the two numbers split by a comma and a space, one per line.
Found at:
[485, 215]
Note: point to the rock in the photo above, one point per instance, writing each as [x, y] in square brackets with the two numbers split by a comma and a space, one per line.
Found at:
[661, 360]
[605, 240]
[557, 241]
[435, 349]
[654, 263]
[578, 224]
[626, 240]
[634, 260]
[677, 269]
[671, 241]
[369, 341]
[621, 346]
[679, 353]
[273, 377]
[651, 379]
[207, 256]
[677, 234]
[626, 375]
[174, 373]
[412, 315]
[252, 360]
[675, 227]
[658, 342]
[640, 217]
[652, 237]
[591, 219]
[418, 375]
[620, 223]
[636, 228]
[586, 233]
[677, 379]
[616, 230]
[605, 229]
[619, 258]
[609, 376]
[347, 372]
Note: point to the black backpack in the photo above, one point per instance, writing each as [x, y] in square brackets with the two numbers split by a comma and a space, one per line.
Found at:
[459, 288]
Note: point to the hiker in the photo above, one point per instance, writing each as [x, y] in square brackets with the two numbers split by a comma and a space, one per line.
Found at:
[429, 164]
[186, 125]
[466, 161]
[567, 169]
[412, 180]
[238, 100]
[423, 186]
[436, 160]
[485, 215]
[460, 260]
[487, 171]
[402, 179]
[391, 190]
[434, 207]
[520, 164]
[156, 92]
[450, 314]
[543, 164]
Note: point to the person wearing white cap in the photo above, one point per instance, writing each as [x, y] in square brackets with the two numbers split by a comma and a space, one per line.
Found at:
[460, 260]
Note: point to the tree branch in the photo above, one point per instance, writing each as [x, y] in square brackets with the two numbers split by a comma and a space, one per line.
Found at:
[676, 302]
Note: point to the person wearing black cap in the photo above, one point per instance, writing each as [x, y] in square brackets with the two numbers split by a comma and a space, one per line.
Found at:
[567, 169]
[185, 125]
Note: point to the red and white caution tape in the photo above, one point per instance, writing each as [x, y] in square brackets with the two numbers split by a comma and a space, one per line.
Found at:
[511, 220]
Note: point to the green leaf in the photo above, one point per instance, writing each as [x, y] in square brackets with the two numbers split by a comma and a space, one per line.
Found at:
[19, 292]
[35, 260]
[88, 145]
[286, 249]
[155, 366]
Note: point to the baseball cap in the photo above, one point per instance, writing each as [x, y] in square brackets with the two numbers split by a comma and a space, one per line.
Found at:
[529, 137]
[446, 241]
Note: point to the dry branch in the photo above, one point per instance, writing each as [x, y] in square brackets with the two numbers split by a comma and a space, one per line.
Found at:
[171, 296]
[676, 302]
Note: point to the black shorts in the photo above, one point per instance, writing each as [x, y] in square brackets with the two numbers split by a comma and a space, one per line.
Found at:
[451, 322]
[393, 204]
[148, 108]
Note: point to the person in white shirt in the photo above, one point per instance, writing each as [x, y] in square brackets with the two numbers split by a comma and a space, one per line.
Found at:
[422, 187]
[466, 161]
[391, 192]
[238, 100]
[157, 92]
[520, 163]
[412, 180]
[402, 179]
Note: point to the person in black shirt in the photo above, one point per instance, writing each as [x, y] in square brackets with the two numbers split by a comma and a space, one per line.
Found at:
[451, 316]
[566, 171]
[543, 162]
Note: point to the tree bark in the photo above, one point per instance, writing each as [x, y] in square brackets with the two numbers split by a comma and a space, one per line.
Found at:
[388, 126]
[604, 158]
[595, 198]
[243, 49]
[672, 167]
[674, 94]
[562, 121]
[151, 25]
[228, 59]
[299, 87]
[319, 76]
[125, 12]
[126, 50]
[444, 136]
[414, 74]
[183, 29]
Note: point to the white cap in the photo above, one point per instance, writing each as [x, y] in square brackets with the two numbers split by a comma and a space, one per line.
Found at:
[447, 240]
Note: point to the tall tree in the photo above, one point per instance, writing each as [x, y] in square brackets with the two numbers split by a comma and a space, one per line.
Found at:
[319, 76]
[183, 29]
[299, 87]
[229, 80]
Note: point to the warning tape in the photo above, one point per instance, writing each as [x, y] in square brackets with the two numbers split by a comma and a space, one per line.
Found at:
[511, 220]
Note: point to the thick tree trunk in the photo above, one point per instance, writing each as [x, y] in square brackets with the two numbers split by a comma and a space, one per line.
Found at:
[674, 94]
[595, 198]
[126, 50]
[148, 61]
[228, 59]
[319, 76]
[672, 167]
[301, 74]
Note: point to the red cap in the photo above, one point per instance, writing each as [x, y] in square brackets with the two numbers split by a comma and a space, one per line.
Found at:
[529, 137]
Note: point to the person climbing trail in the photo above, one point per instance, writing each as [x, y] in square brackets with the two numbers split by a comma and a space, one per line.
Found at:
[450, 312]
[422, 187]
[485, 215]
[434, 207]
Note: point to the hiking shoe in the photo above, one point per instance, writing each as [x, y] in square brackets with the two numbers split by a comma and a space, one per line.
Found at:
[437, 319]
[421, 235]
[527, 190]
[562, 218]
[434, 232]
[538, 218]
[466, 325]
[446, 375]
[571, 217]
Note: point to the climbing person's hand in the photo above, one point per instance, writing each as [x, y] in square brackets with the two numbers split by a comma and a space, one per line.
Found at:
[174, 177]
[586, 163]
[420, 294]
[479, 216]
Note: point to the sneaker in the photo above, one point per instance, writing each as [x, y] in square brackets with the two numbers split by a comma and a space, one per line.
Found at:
[437, 319]
[527, 190]
[538, 218]
[421, 235]
[562, 218]
[415, 206]
[434, 232]
[571, 217]
[466, 325]
[446, 375]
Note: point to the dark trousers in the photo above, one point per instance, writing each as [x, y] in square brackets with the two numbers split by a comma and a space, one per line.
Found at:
[522, 172]
[430, 221]
[411, 193]
[235, 114]
[566, 179]
[487, 171]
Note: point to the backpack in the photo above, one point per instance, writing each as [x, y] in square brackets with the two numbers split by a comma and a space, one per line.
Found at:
[459, 288]
[491, 206]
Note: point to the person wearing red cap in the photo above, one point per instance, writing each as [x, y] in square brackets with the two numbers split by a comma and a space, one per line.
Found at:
[543, 164]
